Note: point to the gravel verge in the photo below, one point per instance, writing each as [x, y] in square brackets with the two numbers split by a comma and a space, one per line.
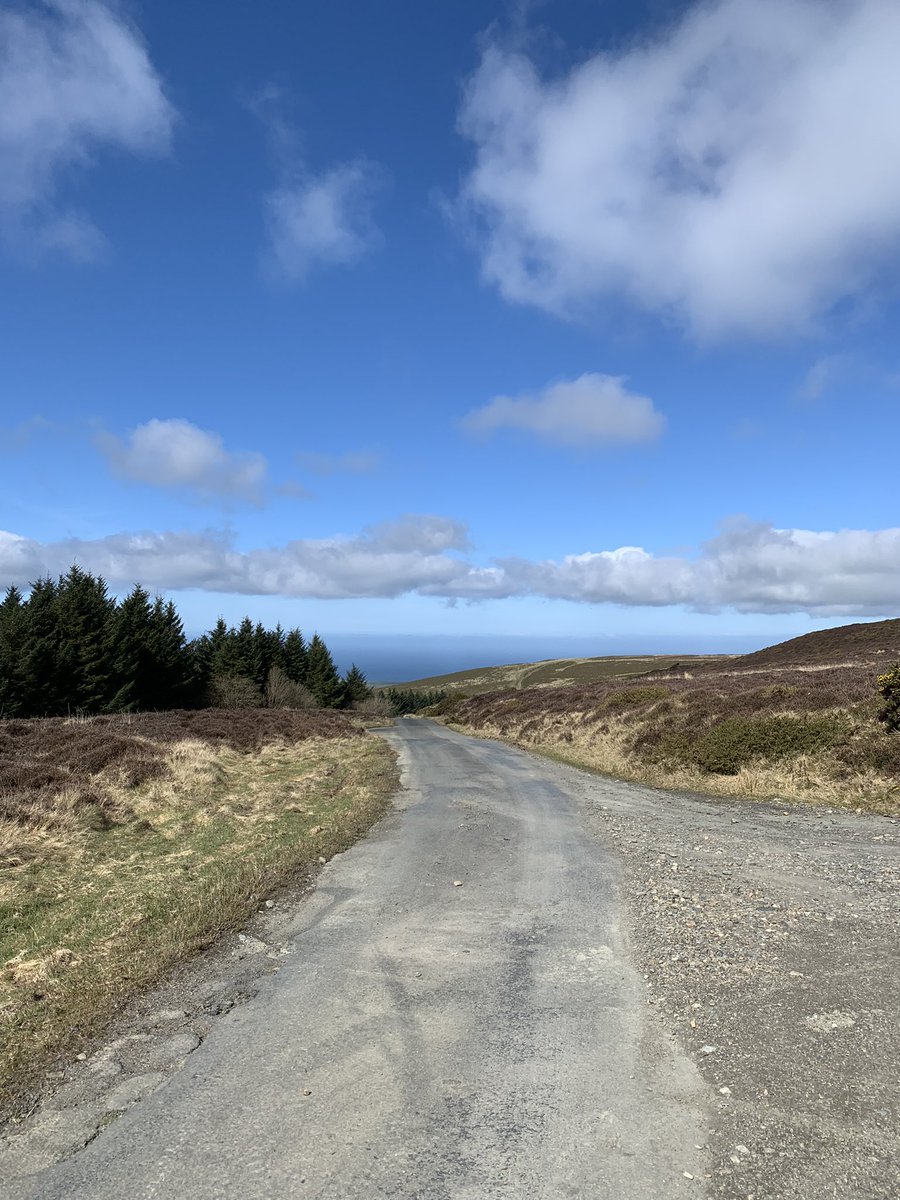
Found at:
[768, 936]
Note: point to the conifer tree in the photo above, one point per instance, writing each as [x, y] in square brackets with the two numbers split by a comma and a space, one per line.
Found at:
[247, 652]
[39, 657]
[171, 683]
[296, 655]
[84, 610]
[322, 677]
[12, 620]
[131, 654]
[356, 686]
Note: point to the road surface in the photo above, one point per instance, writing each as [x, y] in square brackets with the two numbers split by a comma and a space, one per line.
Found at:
[460, 1017]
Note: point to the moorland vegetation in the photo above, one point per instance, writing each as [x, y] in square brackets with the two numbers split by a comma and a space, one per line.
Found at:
[129, 842]
[815, 720]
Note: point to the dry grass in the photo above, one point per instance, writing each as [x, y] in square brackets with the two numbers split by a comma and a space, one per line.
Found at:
[805, 732]
[555, 672]
[114, 877]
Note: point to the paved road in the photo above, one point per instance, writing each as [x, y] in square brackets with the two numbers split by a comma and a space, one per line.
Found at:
[426, 1040]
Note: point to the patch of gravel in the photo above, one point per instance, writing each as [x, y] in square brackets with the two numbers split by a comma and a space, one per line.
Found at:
[770, 941]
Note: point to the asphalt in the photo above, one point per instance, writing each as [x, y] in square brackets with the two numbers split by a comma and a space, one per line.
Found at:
[460, 1017]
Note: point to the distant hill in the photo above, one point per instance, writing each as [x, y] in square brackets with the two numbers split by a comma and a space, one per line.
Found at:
[555, 671]
[869, 642]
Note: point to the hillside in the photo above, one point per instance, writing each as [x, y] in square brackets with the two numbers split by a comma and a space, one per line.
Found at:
[554, 672]
[869, 642]
[795, 721]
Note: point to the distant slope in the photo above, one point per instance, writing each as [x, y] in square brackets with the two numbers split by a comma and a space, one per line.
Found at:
[555, 671]
[858, 644]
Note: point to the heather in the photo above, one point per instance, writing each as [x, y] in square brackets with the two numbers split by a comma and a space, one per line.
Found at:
[802, 721]
[127, 843]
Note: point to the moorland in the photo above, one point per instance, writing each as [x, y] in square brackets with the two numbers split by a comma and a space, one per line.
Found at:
[798, 721]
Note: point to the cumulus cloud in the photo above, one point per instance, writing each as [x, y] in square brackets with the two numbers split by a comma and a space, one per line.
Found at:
[176, 454]
[749, 567]
[323, 219]
[741, 171]
[75, 80]
[596, 409]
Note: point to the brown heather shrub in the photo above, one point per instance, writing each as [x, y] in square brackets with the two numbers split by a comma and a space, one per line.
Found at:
[722, 721]
[90, 761]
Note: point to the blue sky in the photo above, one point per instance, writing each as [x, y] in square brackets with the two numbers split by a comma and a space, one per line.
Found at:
[574, 318]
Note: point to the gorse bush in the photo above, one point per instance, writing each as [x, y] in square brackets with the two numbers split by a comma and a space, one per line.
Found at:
[888, 686]
[737, 741]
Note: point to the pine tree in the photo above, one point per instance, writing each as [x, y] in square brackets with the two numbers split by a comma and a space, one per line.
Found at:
[131, 654]
[356, 686]
[12, 625]
[39, 660]
[322, 678]
[84, 611]
[247, 652]
[171, 683]
[296, 656]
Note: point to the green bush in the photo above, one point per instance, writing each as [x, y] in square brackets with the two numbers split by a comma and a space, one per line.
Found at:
[888, 686]
[730, 745]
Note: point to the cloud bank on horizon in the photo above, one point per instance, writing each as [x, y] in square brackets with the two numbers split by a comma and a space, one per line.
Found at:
[749, 567]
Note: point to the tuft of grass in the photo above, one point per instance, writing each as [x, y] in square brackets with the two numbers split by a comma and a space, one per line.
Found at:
[110, 883]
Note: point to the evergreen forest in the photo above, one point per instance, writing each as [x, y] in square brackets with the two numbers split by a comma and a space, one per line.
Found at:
[69, 647]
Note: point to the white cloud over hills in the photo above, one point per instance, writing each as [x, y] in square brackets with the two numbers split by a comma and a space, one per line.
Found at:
[739, 172]
[748, 567]
[75, 81]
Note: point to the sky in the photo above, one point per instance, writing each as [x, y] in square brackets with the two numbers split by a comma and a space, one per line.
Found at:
[459, 320]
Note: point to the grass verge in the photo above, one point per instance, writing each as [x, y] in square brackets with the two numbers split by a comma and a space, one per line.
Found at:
[108, 884]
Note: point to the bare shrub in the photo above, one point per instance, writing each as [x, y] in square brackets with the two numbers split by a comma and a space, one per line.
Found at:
[233, 691]
[374, 706]
[283, 692]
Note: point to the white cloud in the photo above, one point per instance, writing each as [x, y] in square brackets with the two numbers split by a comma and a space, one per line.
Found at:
[325, 218]
[748, 567]
[595, 409]
[740, 172]
[176, 454]
[75, 79]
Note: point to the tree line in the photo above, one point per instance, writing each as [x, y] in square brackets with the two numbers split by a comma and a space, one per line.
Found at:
[70, 647]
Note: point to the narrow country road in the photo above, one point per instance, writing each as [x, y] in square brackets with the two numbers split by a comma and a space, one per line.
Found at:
[431, 1040]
